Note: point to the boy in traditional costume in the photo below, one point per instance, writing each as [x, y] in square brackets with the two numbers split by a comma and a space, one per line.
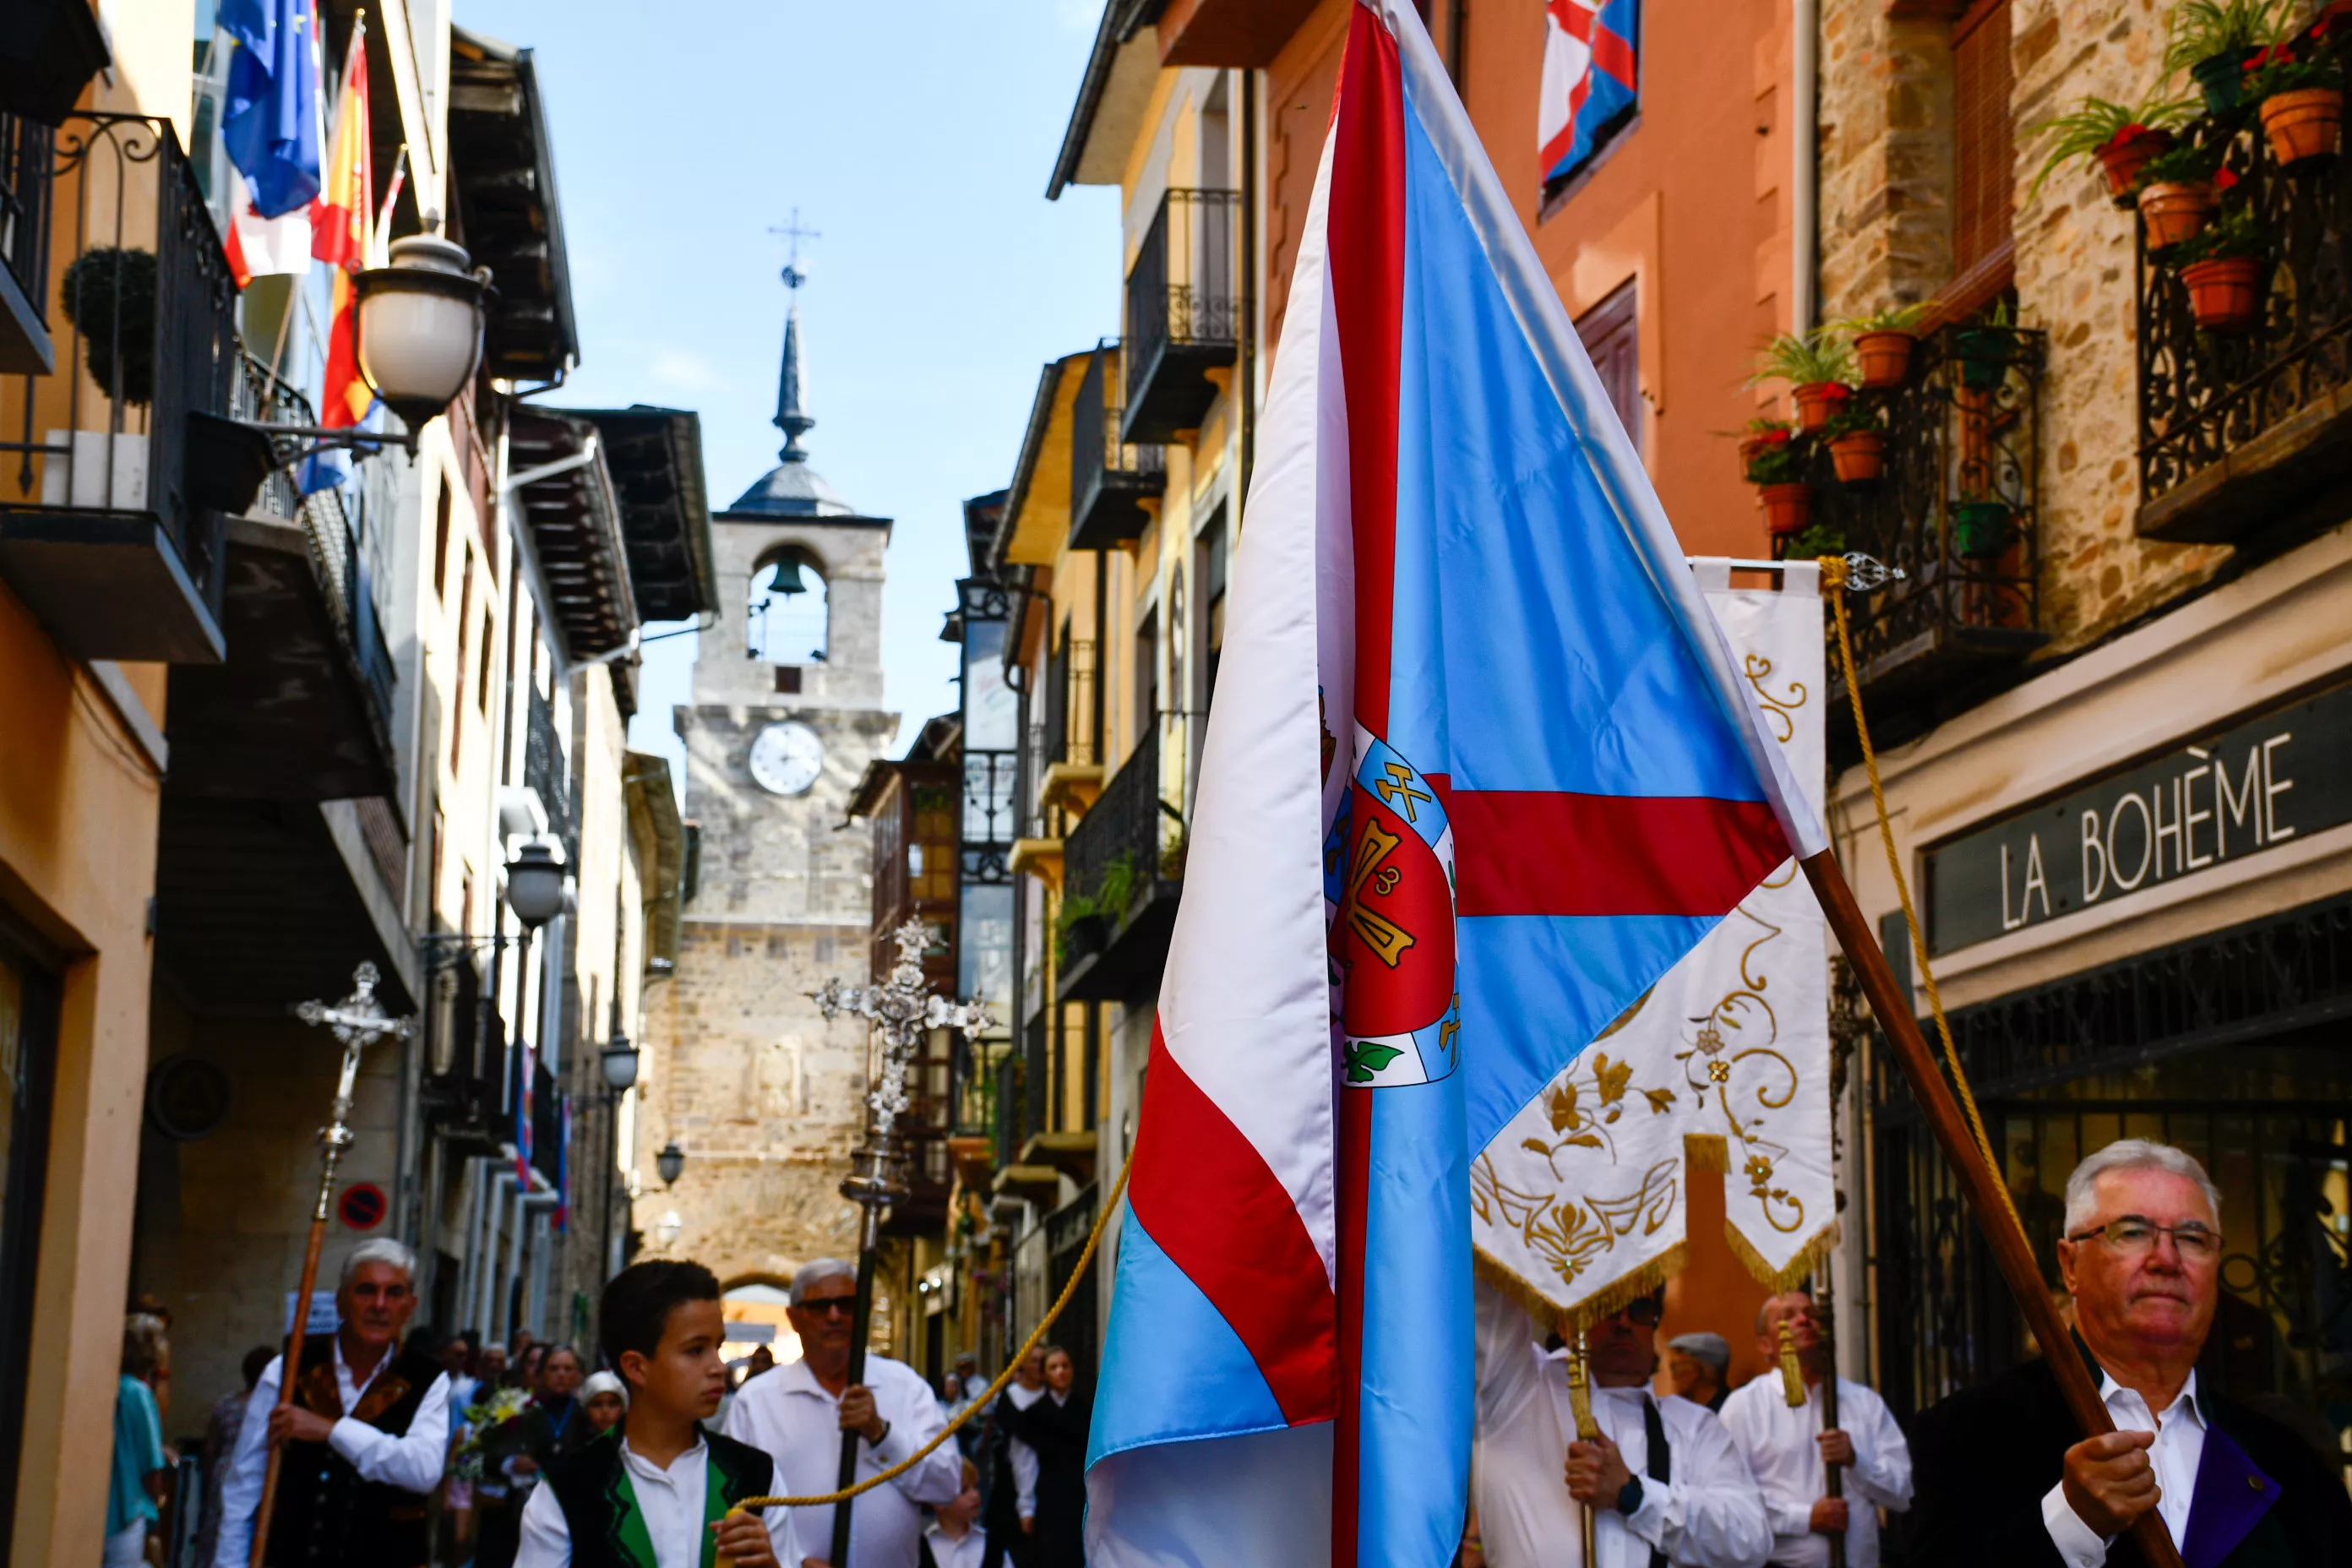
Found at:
[656, 1492]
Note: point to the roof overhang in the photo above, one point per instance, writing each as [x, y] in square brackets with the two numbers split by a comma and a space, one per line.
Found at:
[1236, 33]
[502, 170]
[1113, 95]
[1034, 526]
[653, 816]
[654, 456]
[572, 520]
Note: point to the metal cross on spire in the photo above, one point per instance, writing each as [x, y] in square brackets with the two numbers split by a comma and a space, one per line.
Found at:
[793, 234]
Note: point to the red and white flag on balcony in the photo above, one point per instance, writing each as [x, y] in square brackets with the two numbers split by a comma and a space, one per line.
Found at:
[261, 246]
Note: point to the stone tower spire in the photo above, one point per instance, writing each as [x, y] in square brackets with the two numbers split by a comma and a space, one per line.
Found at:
[790, 419]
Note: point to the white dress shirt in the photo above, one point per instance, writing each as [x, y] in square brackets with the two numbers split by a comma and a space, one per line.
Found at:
[1709, 1515]
[1778, 1442]
[411, 1462]
[1023, 1456]
[947, 1552]
[672, 1500]
[789, 1414]
[2179, 1448]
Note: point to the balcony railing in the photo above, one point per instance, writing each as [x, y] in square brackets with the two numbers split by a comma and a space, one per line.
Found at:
[1957, 508]
[1069, 703]
[1124, 870]
[1111, 482]
[104, 531]
[1184, 307]
[2244, 434]
[547, 770]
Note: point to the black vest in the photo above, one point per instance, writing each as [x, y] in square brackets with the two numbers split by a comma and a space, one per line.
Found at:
[326, 1516]
[603, 1523]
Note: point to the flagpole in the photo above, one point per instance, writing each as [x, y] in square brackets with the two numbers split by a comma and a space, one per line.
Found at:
[1890, 1002]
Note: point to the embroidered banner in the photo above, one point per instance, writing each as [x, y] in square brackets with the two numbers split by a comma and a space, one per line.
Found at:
[1579, 1203]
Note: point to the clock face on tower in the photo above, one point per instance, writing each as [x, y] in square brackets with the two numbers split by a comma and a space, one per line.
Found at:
[786, 757]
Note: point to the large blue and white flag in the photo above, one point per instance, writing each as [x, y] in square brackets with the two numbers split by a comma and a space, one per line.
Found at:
[1488, 771]
[270, 119]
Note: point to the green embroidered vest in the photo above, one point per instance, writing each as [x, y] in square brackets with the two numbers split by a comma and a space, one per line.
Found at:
[600, 1504]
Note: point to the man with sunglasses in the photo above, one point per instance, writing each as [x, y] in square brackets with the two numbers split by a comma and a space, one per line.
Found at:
[1666, 1482]
[798, 1413]
[2005, 1476]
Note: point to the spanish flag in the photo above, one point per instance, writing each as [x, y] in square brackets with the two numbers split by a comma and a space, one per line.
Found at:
[339, 237]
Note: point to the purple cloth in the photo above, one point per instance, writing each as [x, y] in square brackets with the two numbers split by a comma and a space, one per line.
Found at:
[2231, 1496]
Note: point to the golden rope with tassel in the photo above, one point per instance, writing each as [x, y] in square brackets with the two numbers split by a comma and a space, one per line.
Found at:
[1834, 573]
[1069, 1291]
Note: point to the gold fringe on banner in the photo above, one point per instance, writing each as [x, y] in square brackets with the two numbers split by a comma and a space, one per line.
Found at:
[1612, 1298]
[1800, 1267]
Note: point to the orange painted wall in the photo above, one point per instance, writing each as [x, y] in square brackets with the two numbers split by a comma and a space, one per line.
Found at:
[1692, 201]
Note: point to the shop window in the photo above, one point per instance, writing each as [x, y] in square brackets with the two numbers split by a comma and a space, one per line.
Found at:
[27, 1067]
[1612, 340]
[1983, 153]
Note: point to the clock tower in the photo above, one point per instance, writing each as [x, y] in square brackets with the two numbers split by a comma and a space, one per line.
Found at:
[763, 1096]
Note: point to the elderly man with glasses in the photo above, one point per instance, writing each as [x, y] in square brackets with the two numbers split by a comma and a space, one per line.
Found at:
[1664, 1481]
[2004, 1475]
[798, 1413]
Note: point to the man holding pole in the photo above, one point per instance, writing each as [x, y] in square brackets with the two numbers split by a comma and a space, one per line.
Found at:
[1662, 1479]
[362, 1440]
[2005, 1477]
[798, 1413]
[1791, 1448]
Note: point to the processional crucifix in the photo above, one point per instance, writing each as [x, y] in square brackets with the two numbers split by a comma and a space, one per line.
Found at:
[906, 1011]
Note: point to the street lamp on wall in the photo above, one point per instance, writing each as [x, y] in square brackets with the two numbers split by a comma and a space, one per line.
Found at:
[670, 1163]
[535, 885]
[619, 1061]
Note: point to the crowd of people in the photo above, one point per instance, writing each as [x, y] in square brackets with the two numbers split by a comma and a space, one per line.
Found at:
[399, 1450]
[402, 1448]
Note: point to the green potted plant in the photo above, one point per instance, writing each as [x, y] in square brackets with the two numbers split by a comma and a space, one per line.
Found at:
[2176, 193]
[110, 298]
[1883, 342]
[2222, 268]
[1819, 368]
[2122, 138]
[1983, 526]
[1080, 929]
[1759, 433]
[1778, 473]
[1857, 439]
[1817, 540]
[2212, 40]
[1984, 350]
[2301, 106]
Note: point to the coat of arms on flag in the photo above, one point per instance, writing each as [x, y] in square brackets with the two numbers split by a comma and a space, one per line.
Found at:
[1592, 80]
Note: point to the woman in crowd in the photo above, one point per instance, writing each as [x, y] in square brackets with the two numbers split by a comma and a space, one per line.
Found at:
[141, 1465]
[524, 1447]
[603, 1400]
[1056, 1425]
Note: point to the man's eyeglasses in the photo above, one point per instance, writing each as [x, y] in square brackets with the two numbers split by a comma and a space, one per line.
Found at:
[1644, 1312]
[824, 1306]
[2135, 1237]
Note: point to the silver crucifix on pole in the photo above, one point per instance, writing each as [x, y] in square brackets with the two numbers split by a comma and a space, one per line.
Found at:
[358, 1021]
[906, 1011]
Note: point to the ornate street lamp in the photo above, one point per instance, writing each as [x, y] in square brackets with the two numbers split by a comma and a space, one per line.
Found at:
[619, 1061]
[535, 885]
[670, 1163]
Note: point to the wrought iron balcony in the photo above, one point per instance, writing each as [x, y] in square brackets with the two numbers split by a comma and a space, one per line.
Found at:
[1123, 871]
[1957, 508]
[2244, 436]
[25, 155]
[1114, 486]
[547, 768]
[108, 461]
[1184, 304]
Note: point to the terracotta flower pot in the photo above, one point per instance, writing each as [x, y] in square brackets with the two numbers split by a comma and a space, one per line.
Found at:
[1787, 508]
[2225, 291]
[1884, 357]
[2128, 154]
[2306, 123]
[1817, 401]
[2175, 211]
[1858, 456]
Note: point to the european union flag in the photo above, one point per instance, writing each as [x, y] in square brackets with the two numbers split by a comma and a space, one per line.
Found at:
[270, 122]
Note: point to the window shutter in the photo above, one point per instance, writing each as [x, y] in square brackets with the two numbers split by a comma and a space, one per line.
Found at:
[1612, 341]
[1983, 182]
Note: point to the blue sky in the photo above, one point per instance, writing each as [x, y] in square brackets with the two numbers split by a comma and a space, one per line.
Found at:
[918, 140]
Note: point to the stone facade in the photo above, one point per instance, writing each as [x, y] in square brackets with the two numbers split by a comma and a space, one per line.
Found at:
[765, 1098]
[1887, 173]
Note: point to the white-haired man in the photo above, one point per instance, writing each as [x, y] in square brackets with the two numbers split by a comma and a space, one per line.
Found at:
[363, 1439]
[2004, 1475]
[799, 1412]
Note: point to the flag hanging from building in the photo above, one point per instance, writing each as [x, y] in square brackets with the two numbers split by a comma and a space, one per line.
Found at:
[1579, 1203]
[339, 238]
[1592, 80]
[270, 115]
[1490, 773]
[260, 246]
[563, 1160]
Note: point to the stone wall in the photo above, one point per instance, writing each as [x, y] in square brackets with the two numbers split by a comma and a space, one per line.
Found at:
[1886, 157]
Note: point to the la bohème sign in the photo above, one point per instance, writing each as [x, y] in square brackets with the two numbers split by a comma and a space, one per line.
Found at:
[2263, 783]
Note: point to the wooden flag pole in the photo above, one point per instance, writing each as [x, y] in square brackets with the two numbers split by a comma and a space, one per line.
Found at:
[1979, 1181]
